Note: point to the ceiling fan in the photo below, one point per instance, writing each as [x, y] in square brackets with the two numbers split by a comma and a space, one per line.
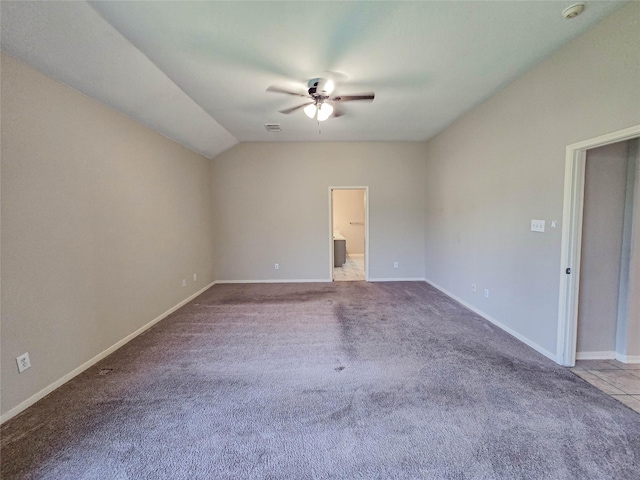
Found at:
[320, 105]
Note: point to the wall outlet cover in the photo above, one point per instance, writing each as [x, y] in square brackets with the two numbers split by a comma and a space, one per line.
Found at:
[23, 362]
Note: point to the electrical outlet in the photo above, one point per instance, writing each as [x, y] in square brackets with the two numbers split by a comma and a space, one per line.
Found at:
[537, 226]
[395, 264]
[474, 287]
[276, 267]
[486, 293]
[195, 277]
[184, 282]
[23, 362]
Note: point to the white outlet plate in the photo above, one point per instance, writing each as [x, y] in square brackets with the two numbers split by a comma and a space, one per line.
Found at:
[395, 264]
[276, 266]
[195, 277]
[486, 293]
[537, 225]
[23, 362]
[474, 287]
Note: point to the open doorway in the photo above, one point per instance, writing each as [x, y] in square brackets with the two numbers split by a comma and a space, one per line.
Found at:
[349, 233]
[607, 220]
[577, 235]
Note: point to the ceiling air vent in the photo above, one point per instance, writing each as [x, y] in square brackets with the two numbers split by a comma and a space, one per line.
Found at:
[272, 127]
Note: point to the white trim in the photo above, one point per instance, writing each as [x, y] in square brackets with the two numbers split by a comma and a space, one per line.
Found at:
[277, 280]
[510, 331]
[397, 280]
[331, 243]
[89, 363]
[572, 239]
[366, 228]
[570, 256]
[628, 358]
[606, 139]
[595, 355]
[608, 356]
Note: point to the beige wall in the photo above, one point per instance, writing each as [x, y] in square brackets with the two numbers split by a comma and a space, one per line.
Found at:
[348, 208]
[101, 220]
[272, 206]
[602, 232]
[502, 164]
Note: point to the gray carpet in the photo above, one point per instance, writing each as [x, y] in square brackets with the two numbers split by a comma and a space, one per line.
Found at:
[348, 380]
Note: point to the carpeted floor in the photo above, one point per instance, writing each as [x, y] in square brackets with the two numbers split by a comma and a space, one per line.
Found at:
[349, 380]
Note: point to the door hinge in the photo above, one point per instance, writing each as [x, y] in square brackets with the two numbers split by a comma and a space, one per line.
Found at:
[568, 271]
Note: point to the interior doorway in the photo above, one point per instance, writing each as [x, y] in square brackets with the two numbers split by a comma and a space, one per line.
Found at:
[572, 243]
[607, 220]
[348, 233]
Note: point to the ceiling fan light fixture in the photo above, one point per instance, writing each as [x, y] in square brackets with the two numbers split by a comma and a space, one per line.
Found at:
[324, 111]
[310, 110]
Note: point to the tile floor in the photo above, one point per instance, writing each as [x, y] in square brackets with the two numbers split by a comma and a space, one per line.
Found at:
[351, 271]
[620, 380]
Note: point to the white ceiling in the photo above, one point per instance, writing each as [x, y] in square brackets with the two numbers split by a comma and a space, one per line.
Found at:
[197, 71]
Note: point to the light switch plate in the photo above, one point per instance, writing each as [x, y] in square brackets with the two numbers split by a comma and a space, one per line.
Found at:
[537, 225]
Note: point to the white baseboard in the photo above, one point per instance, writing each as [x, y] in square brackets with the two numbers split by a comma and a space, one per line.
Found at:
[278, 280]
[595, 355]
[608, 356]
[397, 280]
[89, 363]
[628, 358]
[315, 280]
[510, 331]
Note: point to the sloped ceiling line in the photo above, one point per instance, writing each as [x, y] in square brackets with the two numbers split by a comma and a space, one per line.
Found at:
[71, 43]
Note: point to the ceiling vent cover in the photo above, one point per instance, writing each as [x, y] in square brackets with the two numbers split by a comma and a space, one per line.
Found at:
[272, 127]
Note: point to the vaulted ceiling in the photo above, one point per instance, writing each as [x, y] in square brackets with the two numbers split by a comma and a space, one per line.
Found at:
[197, 71]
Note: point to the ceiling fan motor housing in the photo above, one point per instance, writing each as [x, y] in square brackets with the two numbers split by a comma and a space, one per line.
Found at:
[318, 87]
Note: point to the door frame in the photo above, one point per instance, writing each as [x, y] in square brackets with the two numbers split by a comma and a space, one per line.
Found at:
[572, 216]
[366, 228]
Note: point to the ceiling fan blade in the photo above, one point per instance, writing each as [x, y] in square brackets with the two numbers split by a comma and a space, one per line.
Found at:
[350, 98]
[275, 89]
[337, 112]
[337, 76]
[293, 109]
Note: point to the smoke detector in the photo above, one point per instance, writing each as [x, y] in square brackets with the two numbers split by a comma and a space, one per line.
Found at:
[573, 11]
